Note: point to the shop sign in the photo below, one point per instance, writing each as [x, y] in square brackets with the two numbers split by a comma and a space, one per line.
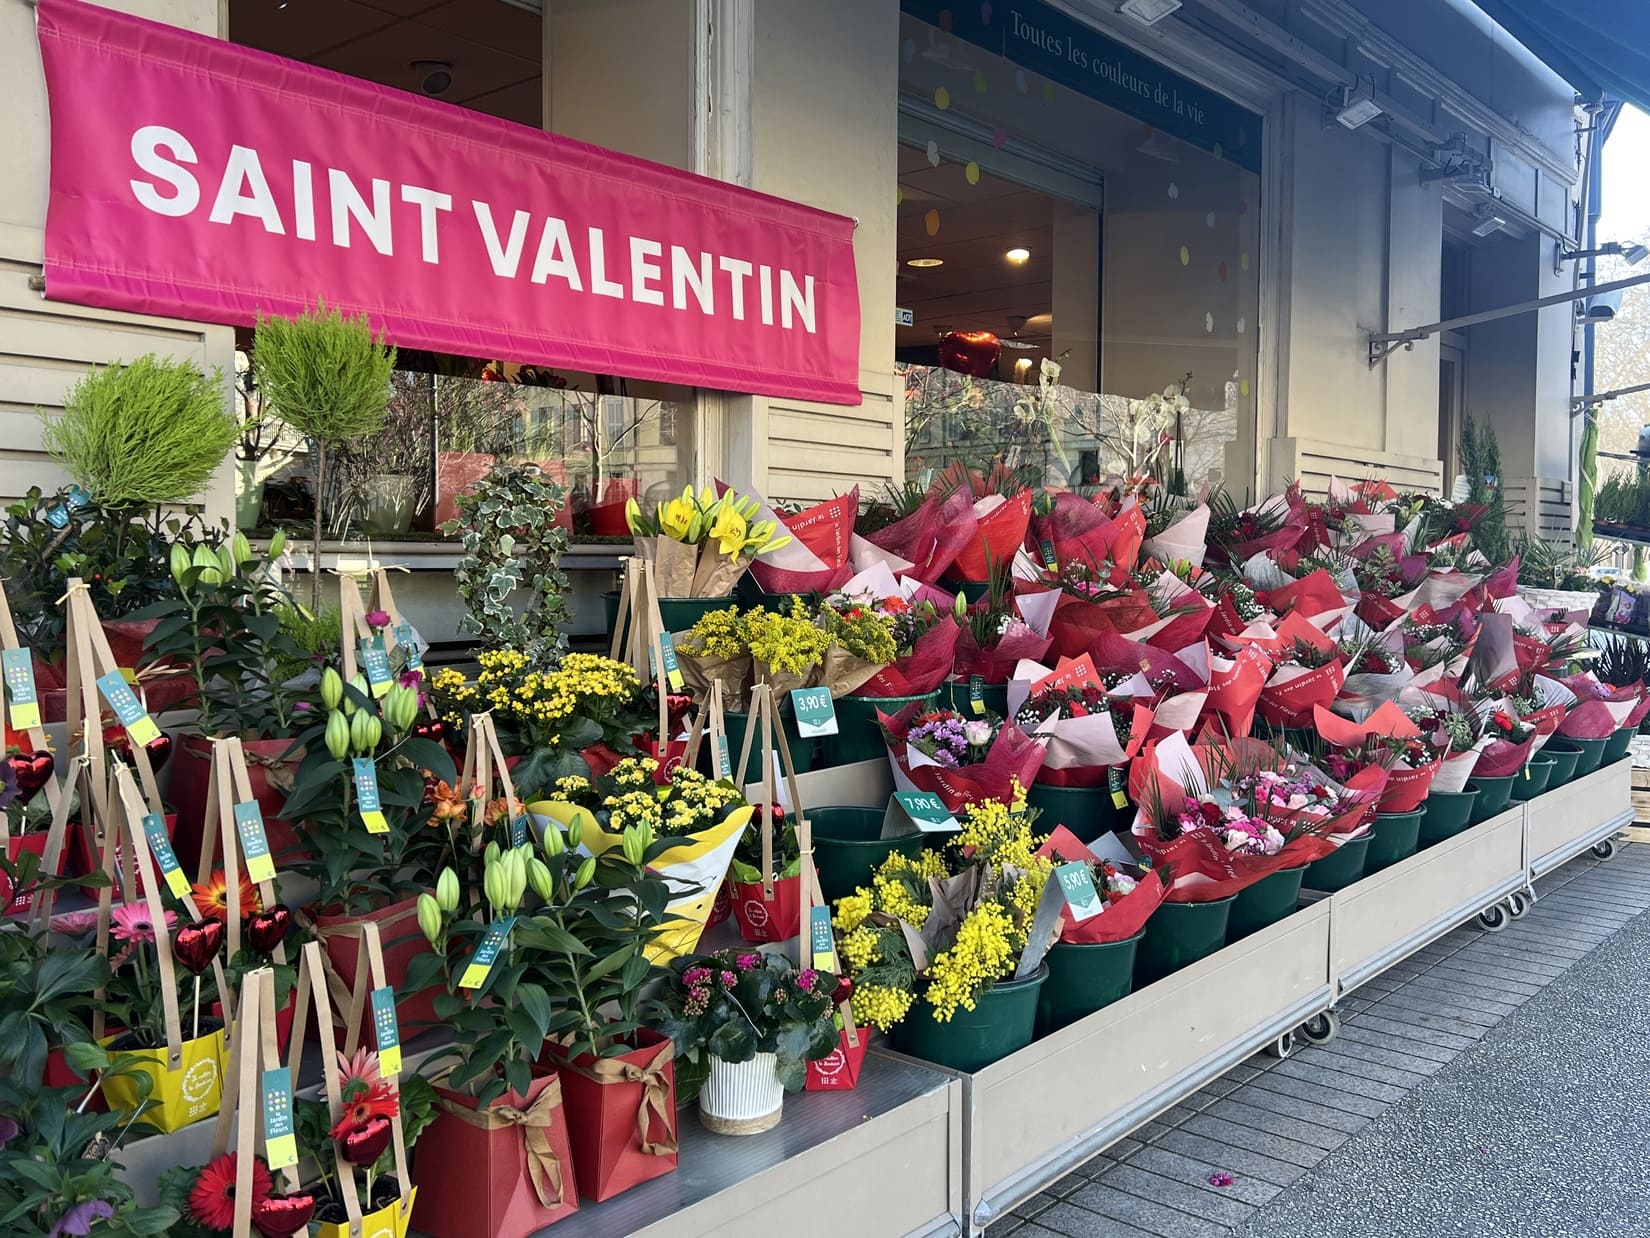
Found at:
[1064, 50]
[229, 182]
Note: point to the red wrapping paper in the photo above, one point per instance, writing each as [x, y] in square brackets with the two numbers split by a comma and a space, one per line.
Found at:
[1114, 653]
[1203, 871]
[1311, 595]
[1077, 529]
[998, 534]
[1235, 686]
[1407, 786]
[825, 529]
[1288, 700]
[1502, 758]
[1140, 725]
[929, 538]
[763, 919]
[1078, 622]
[838, 1071]
[1121, 919]
[1545, 721]
[997, 664]
[1586, 720]
[1379, 612]
[922, 670]
[1131, 533]
[1013, 757]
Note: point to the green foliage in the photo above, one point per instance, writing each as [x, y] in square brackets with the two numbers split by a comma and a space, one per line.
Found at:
[142, 435]
[314, 635]
[511, 542]
[45, 995]
[323, 373]
[1481, 463]
[1553, 565]
[1625, 660]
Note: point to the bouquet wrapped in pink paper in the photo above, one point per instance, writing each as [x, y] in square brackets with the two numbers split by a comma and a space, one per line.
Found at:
[1128, 898]
[1389, 738]
[1511, 742]
[1073, 529]
[960, 759]
[1087, 731]
[1004, 627]
[922, 545]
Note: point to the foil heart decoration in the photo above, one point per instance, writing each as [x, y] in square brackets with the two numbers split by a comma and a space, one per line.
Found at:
[196, 945]
[974, 353]
[281, 1216]
[32, 770]
[363, 1146]
[118, 742]
[267, 929]
[430, 728]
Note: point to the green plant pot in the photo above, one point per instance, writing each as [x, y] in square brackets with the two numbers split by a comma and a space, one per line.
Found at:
[1493, 794]
[1179, 934]
[1444, 814]
[1340, 868]
[849, 847]
[802, 750]
[858, 736]
[1083, 979]
[954, 694]
[249, 494]
[1087, 812]
[1394, 837]
[1590, 752]
[388, 511]
[1564, 764]
[1266, 902]
[677, 614]
[1533, 780]
[1004, 1019]
[1618, 744]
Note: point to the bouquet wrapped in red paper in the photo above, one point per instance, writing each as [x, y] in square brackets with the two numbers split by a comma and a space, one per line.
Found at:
[1177, 683]
[1093, 598]
[960, 759]
[919, 619]
[1313, 595]
[1307, 672]
[1127, 898]
[1238, 535]
[1235, 685]
[1180, 614]
[1000, 523]
[1388, 738]
[924, 543]
[816, 557]
[1072, 529]
[1223, 816]
[1511, 741]
[1002, 628]
[1087, 731]
[1454, 735]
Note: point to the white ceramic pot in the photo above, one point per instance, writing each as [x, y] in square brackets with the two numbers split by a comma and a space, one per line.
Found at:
[742, 1098]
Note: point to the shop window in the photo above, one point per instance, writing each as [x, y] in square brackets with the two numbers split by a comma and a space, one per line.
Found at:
[1078, 287]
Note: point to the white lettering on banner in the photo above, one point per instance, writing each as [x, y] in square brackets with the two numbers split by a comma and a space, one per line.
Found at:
[147, 143]
[243, 193]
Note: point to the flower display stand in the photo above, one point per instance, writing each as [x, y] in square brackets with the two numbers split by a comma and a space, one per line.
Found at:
[1584, 812]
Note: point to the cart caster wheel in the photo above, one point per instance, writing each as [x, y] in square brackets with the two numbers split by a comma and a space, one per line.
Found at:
[1519, 903]
[1605, 850]
[1320, 1029]
[1283, 1046]
[1494, 919]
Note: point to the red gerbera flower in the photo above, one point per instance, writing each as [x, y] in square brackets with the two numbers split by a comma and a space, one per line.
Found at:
[212, 1200]
[365, 1094]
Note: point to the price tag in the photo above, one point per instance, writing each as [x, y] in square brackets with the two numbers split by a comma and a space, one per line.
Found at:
[1118, 783]
[140, 727]
[58, 516]
[367, 802]
[20, 690]
[673, 668]
[924, 810]
[249, 824]
[280, 1141]
[407, 639]
[1050, 559]
[815, 715]
[375, 662]
[160, 846]
[1077, 884]
[820, 942]
[387, 1030]
[724, 762]
[481, 962]
[976, 695]
[518, 830]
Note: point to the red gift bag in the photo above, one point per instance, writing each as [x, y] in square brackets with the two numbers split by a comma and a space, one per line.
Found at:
[838, 1071]
[621, 1116]
[764, 919]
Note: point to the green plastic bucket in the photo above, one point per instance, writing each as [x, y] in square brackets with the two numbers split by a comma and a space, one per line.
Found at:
[1493, 794]
[858, 736]
[1083, 979]
[1340, 868]
[1004, 1019]
[1179, 934]
[1087, 812]
[974, 590]
[1266, 902]
[1618, 744]
[848, 848]
[677, 614]
[1444, 814]
[1591, 752]
[1394, 837]
[954, 694]
[1532, 781]
[1564, 764]
[802, 750]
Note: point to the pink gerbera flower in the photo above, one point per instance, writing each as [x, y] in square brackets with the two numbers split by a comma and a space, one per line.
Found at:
[132, 922]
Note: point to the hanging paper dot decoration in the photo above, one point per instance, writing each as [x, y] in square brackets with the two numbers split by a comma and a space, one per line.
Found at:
[931, 223]
[1209, 219]
[979, 81]
[1185, 256]
[1020, 83]
[971, 172]
[1174, 190]
[1243, 387]
[908, 50]
[1242, 324]
[998, 137]
[1243, 262]
[1222, 272]
[942, 98]
[985, 13]
[1208, 324]
[1048, 92]
[933, 154]
[899, 195]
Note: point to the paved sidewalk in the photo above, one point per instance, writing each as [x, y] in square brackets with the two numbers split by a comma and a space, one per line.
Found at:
[1491, 1084]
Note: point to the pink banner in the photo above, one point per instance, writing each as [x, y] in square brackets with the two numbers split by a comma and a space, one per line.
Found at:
[194, 179]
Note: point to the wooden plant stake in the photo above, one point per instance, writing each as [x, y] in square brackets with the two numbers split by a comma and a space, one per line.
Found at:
[483, 768]
[646, 645]
[25, 719]
[710, 724]
[241, 829]
[257, 1085]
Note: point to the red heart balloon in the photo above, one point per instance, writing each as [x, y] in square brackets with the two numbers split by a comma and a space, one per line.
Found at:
[973, 353]
[267, 929]
[32, 770]
[196, 945]
[363, 1146]
[159, 749]
[281, 1216]
[430, 728]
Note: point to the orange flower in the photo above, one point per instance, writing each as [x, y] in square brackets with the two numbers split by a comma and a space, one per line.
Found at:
[212, 897]
[498, 812]
[450, 808]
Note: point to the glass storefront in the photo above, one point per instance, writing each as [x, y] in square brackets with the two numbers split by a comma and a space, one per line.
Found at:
[1078, 288]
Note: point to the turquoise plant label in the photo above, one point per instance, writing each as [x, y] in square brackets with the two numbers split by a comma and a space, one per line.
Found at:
[20, 689]
[375, 662]
[481, 962]
[408, 642]
[367, 801]
[976, 695]
[140, 727]
[160, 846]
[280, 1140]
[1077, 884]
[249, 824]
[815, 715]
[387, 1030]
[926, 811]
[820, 943]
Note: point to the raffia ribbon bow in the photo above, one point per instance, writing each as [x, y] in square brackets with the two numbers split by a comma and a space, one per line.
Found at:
[543, 1166]
[655, 1093]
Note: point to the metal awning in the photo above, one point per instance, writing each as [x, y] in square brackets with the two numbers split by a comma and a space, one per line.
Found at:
[1601, 47]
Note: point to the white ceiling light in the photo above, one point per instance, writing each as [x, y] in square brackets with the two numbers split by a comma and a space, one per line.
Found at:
[924, 263]
[1488, 223]
[1358, 107]
[1019, 255]
[1148, 12]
